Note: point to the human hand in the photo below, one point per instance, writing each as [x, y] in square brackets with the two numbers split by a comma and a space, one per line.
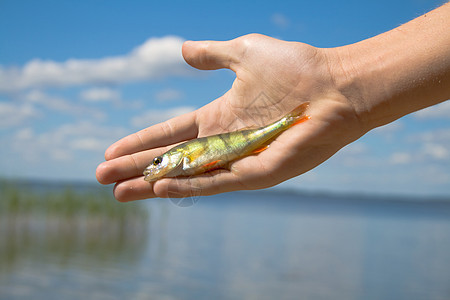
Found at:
[272, 78]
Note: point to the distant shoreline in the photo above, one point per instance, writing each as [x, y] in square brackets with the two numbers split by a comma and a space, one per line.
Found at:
[87, 185]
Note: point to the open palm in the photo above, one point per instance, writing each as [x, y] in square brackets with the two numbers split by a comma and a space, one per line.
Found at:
[272, 78]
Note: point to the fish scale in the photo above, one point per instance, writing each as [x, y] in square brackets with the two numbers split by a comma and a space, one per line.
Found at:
[206, 153]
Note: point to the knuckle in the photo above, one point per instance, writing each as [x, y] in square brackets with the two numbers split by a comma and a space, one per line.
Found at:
[246, 43]
[167, 129]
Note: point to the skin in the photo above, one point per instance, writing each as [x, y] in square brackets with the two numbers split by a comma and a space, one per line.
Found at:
[351, 90]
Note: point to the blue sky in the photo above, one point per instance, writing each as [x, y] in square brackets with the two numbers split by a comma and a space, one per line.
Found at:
[76, 76]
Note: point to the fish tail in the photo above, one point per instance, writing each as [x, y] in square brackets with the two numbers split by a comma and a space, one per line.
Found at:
[297, 115]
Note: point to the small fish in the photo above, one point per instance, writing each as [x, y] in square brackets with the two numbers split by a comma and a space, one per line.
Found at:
[212, 152]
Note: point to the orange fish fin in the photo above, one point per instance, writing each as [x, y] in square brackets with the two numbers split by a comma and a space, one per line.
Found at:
[300, 110]
[260, 149]
[211, 164]
[298, 115]
[301, 120]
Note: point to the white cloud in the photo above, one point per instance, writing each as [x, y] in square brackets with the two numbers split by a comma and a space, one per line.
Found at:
[65, 142]
[87, 144]
[426, 148]
[356, 148]
[13, 114]
[37, 104]
[70, 151]
[436, 175]
[435, 136]
[168, 95]
[400, 158]
[434, 145]
[440, 111]
[156, 58]
[354, 155]
[59, 104]
[24, 134]
[390, 128]
[280, 20]
[155, 116]
[100, 95]
[50, 102]
[435, 151]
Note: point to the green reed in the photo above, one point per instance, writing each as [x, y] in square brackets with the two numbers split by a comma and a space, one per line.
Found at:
[17, 199]
[62, 224]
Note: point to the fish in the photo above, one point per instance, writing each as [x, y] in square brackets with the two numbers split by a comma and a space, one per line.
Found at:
[208, 153]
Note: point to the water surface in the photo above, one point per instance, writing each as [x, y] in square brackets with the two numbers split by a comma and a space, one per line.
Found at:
[245, 245]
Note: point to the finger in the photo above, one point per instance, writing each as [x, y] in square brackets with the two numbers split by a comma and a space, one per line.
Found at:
[133, 189]
[211, 55]
[126, 166]
[177, 129]
[218, 181]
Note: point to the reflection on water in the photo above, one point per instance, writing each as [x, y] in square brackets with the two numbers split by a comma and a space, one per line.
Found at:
[236, 246]
[61, 227]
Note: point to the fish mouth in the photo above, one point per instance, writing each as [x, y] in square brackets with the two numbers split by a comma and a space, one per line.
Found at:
[149, 176]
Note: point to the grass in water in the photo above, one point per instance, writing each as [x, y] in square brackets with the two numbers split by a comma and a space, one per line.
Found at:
[62, 223]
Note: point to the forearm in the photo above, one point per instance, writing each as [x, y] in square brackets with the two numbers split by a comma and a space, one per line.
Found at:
[398, 72]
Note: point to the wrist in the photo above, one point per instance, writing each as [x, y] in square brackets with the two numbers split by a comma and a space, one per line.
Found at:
[346, 65]
[397, 72]
[360, 75]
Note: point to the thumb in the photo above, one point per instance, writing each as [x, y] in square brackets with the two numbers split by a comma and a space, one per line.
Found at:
[210, 55]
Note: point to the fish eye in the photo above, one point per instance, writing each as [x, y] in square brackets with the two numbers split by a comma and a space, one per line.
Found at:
[157, 160]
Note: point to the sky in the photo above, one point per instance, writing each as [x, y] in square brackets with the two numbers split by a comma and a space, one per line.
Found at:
[75, 76]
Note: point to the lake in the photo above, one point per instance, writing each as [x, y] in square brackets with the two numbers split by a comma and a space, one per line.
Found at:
[243, 245]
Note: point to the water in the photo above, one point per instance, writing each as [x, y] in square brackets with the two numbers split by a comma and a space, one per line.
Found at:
[246, 245]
